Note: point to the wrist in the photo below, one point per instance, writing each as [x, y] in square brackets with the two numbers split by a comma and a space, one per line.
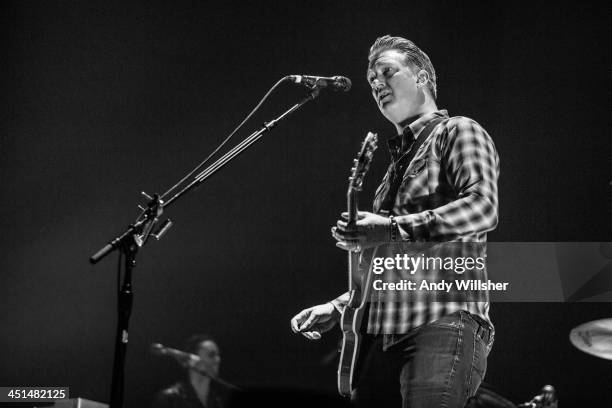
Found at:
[336, 312]
[395, 232]
[393, 229]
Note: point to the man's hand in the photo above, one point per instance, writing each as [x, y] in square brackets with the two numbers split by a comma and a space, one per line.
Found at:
[315, 320]
[370, 230]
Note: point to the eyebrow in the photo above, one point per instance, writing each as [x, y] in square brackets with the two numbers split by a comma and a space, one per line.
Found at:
[373, 65]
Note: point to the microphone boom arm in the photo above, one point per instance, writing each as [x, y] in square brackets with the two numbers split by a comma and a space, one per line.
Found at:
[148, 217]
[241, 147]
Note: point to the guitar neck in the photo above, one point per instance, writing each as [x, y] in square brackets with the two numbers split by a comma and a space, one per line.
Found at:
[353, 256]
[351, 204]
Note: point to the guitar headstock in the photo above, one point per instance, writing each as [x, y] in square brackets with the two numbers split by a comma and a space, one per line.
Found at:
[361, 164]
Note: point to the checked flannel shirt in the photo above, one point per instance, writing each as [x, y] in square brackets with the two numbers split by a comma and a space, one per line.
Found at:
[448, 194]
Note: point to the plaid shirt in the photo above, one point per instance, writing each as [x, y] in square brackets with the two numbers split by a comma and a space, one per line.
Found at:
[448, 193]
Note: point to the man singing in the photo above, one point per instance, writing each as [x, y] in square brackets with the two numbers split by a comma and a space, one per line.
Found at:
[441, 186]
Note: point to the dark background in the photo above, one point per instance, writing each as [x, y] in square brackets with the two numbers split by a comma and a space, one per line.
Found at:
[103, 100]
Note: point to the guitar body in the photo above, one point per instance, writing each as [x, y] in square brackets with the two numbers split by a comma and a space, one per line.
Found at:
[353, 348]
[353, 315]
[353, 324]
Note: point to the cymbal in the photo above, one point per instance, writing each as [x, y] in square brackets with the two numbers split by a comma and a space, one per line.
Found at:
[594, 338]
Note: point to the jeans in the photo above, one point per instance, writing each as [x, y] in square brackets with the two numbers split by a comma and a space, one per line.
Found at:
[437, 365]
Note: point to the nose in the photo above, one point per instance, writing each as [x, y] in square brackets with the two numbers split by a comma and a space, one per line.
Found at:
[378, 85]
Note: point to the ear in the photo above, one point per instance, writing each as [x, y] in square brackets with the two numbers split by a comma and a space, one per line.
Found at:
[422, 78]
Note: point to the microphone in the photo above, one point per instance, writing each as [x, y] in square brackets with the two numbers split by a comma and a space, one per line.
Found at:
[186, 359]
[336, 83]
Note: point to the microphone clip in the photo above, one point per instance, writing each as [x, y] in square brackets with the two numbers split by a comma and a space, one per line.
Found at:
[309, 82]
[316, 83]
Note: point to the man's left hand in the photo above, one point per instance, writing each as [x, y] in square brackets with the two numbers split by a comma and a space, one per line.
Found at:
[370, 230]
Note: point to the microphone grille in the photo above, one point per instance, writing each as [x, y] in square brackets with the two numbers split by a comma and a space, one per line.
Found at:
[344, 82]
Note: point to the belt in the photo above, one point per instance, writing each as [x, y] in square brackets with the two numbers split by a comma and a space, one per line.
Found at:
[484, 330]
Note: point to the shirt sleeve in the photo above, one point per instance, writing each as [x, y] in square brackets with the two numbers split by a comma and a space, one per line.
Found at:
[341, 301]
[471, 165]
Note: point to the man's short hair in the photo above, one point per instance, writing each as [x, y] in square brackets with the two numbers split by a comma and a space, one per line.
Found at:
[415, 57]
[192, 345]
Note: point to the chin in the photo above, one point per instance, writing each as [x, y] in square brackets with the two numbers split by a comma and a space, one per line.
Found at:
[395, 111]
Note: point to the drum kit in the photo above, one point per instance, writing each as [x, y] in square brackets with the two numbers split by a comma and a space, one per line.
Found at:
[594, 338]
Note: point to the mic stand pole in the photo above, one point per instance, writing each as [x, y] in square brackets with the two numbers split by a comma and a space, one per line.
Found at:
[138, 233]
[129, 248]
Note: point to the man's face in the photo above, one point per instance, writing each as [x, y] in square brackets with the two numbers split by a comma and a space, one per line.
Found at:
[210, 357]
[394, 87]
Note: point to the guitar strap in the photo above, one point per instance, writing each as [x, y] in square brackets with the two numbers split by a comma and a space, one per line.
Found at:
[399, 167]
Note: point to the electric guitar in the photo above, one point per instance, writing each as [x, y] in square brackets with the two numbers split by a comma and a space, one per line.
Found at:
[352, 316]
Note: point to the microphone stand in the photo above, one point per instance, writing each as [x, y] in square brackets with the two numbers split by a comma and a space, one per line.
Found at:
[138, 233]
[216, 379]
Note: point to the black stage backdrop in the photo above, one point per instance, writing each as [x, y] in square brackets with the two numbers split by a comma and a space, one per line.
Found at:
[103, 100]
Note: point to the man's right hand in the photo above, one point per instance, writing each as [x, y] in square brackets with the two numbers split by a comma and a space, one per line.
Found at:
[315, 320]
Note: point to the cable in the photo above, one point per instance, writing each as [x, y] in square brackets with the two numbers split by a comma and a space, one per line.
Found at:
[174, 187]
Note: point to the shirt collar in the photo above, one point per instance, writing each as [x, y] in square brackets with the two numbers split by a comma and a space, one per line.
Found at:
[401, 143]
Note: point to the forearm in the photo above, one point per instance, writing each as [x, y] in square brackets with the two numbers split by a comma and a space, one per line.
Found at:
[474, 213]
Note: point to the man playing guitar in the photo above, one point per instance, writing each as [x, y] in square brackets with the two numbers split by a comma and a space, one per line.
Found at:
[441, 186]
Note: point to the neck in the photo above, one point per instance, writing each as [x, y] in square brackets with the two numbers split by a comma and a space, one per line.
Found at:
[200, 382]
[428, 107]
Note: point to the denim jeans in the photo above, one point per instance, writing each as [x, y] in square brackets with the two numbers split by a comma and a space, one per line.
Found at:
[437, 365]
